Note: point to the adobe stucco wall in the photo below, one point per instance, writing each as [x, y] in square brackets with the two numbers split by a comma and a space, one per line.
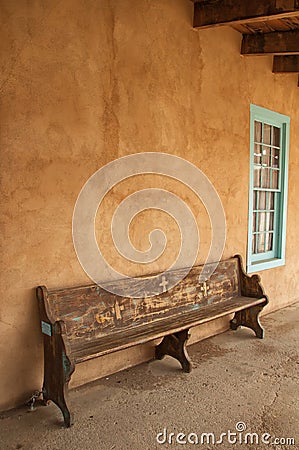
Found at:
[85, 82]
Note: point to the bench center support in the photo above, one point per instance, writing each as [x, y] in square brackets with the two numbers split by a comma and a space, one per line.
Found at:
[175, 345]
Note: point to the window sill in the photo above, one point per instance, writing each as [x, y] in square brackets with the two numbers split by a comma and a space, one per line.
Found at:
[265, 264]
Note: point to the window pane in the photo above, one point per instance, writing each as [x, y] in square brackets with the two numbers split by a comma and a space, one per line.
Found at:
[257, 131]
[275, 175]
[255, 197]
[257, 176]
[254, 222]
[257, 154]
[267, 134]
[276, 136]
[262, 200]
[261, 243]
[270, 221]
[262, 222]
[275, 158]
[265, 178]
[266, 156]
[254, 242]
[269, 242]
[270, 201]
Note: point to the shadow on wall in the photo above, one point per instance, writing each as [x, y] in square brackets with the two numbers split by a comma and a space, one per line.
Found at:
[23, 336]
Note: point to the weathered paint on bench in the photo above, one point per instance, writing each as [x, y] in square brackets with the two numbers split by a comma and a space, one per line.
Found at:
[88, 321]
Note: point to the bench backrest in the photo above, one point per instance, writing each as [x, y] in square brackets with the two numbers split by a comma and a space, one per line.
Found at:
[92, 312]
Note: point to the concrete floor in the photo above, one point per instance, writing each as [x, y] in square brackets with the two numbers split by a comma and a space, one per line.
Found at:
[237, 379]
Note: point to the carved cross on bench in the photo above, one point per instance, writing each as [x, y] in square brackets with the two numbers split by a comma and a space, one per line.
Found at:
[117, 309]
[164, 284]
[205, 288]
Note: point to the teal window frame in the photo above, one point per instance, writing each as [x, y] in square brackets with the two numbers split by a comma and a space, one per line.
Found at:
[276, 256]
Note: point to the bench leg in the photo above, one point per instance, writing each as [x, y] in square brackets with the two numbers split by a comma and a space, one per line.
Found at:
[59, 398]
[175, 345]
[249, 318]
[58, 369]
[67, 415]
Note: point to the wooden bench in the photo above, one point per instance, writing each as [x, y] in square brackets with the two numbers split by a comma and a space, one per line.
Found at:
[81, 323]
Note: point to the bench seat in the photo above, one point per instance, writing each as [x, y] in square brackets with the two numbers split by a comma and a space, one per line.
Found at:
[172, 324]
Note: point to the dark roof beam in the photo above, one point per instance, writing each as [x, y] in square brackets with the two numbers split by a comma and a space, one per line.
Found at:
[209, 13]
[286, 64]
[278, 42]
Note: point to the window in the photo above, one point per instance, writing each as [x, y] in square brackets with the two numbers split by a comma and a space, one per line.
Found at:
[269, 140]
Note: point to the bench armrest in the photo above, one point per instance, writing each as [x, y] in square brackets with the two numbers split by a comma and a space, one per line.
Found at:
[250, 286]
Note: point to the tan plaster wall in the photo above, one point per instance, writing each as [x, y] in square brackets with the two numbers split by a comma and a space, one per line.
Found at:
[85, 82]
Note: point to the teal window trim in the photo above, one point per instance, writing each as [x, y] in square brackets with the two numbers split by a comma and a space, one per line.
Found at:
[276, 256]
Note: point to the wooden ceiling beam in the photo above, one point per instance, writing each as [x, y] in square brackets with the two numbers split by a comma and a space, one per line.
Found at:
[209, 13]
[278, 42]
[285, 64]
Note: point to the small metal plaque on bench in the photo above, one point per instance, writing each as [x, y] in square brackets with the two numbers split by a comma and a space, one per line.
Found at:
[46, 328]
